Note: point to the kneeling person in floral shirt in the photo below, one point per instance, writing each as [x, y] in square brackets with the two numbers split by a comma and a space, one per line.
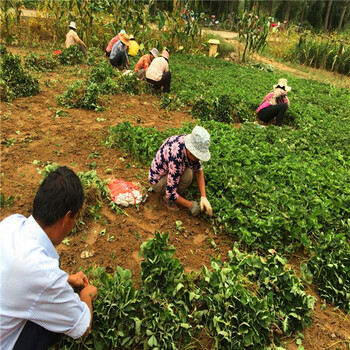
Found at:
[172, 169]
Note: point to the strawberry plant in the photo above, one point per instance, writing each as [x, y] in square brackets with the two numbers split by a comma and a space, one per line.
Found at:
[289, 304]
[234, 315]
[267, 187]
[15, 82]
[79, 95]
[219, 109]
[330, 266]
[40, 62]
[71, 56]
[240, 303]
[3, 50]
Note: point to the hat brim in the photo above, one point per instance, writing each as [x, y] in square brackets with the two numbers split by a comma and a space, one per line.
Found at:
[125, 42]
[204, 156]
[287, 88]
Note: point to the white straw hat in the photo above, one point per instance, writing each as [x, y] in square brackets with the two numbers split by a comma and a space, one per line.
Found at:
[72, 25]
[154, 52]
[282, 83]
[198, 143]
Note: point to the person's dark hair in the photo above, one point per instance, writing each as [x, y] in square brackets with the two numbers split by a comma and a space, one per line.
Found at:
[60, 192]
[281, 87]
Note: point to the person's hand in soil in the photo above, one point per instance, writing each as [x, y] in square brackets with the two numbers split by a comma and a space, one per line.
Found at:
[78, 280]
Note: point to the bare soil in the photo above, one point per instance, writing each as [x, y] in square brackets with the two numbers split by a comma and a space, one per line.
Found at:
[35, 128]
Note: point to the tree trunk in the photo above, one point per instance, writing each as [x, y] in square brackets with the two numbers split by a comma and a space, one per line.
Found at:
[289, 4]
[155, 7]
[230, 11]
[303, 12]
[342, 15]
[325, 25]
[272, 2]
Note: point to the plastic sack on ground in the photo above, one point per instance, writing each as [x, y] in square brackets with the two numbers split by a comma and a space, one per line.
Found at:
[126, 193]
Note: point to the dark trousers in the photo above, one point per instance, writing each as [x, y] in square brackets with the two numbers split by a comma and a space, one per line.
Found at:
[119, 60]
[82, 49]
[35, 337]
[274, 111]
[164, 82]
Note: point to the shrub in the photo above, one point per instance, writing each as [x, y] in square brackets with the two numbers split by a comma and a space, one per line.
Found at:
[129, 84]
[71, 56]
[79, 95]
[40, 62]
[3, 50]
[219, 109]
[15, 81]
[330, 266]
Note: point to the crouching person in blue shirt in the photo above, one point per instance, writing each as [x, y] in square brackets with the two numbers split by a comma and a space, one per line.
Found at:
[37, 300]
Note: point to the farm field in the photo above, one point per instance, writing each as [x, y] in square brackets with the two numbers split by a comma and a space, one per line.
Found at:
[38, 132]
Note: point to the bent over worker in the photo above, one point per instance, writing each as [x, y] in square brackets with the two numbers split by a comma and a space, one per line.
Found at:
[38, 303]
[72, 38]
[172, 169]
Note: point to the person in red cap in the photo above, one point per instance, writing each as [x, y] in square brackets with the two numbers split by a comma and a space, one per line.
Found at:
[158, 74]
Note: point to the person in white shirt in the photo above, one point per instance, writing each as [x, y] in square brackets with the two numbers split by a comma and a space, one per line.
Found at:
[158, 74]
[37, 300]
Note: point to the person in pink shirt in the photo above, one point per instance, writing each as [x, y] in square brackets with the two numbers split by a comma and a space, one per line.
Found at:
[275, 104]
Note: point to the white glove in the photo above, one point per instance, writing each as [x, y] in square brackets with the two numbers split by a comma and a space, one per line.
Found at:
[206, 205]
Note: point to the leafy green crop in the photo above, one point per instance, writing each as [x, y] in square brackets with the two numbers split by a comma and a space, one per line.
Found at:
[40, 62]
[220, 109]
[239, 307]
[289, 304]
[273, 187]
[3, 50]
[79, 95]
[330, 266]
[15, 82]
[71, 56]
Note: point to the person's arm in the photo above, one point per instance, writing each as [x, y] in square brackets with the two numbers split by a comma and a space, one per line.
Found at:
[204, 203]
[78, 40]
[78, 280]
[88, 295]
[200, 182]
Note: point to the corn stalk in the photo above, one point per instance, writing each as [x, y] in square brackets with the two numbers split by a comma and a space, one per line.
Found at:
[254, 31]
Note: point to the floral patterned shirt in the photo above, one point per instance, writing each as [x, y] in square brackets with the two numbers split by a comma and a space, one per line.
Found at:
[112, 42]
[171, 161]
[143, 62]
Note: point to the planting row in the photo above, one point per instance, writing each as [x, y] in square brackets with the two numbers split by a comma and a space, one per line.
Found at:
[274, 189]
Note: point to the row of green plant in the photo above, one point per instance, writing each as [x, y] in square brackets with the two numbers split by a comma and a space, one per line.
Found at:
[15, 81]
[207, 79]
[272, 187]
[246, 303]
[328, 52]
[330, 55]
[104, 79]
[330, 267]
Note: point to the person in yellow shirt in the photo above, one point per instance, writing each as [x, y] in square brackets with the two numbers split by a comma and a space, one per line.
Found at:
[134, 47]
